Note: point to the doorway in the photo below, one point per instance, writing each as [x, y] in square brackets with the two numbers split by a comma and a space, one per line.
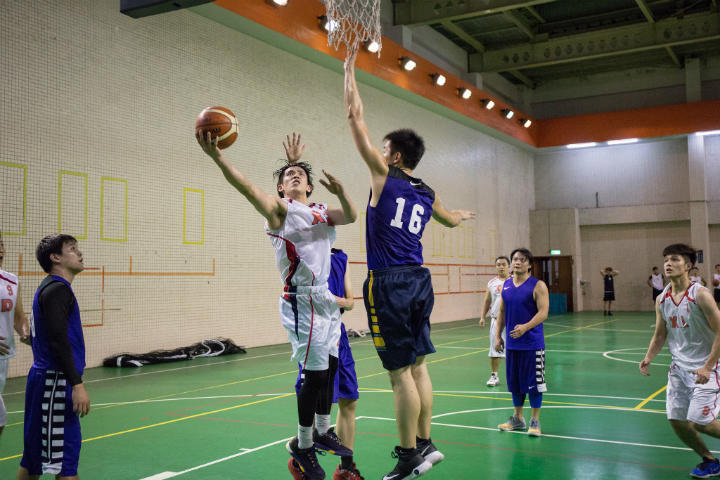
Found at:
[556, 272]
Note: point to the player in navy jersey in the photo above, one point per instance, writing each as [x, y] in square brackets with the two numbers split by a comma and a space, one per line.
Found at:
[54, 383]
[302, 234]
[345, 387]
[398, 291]
[524, 305]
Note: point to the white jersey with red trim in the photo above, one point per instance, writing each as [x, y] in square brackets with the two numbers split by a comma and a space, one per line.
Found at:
[689, 337]
[8, 298]
[302, 244]
[494, 288]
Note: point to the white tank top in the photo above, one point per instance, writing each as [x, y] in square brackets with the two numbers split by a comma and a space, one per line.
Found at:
[657, 281]
[494, 289]
[8, 297]
[690, 337]
[716, 276]
[302, 244]
[696, 280]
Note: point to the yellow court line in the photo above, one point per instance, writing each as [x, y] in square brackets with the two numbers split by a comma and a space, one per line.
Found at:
[171, 421]
[641, 404]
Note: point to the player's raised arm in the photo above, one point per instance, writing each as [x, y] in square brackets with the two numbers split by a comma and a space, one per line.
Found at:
[353, 104]
[657, 342]
[269, 206]
[347, 212]
[450, 218]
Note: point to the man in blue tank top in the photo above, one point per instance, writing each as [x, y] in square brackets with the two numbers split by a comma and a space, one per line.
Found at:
[524, 306]
[54, 383]
[398, 292]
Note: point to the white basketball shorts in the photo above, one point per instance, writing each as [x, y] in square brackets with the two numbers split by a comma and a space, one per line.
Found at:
[690, 401]
[311, 317]
[493, 331]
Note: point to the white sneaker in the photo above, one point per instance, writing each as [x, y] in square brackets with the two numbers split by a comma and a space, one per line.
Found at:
[493, 381]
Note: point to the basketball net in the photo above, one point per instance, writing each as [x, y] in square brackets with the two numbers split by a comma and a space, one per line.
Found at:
[353, 22]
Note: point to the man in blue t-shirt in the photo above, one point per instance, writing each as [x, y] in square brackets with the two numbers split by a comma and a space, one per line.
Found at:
[398, 292]
[524, 305]
[54, 383]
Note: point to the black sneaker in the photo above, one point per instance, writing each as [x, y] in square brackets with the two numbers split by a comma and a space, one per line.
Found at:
[306, 460]
[408, 466]
[428, 451]
[331, 443]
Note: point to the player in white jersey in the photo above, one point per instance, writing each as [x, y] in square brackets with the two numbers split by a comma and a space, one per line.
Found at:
[302, 234]
[12, 316]
[716, 284]
[492, 306]
[687, 317]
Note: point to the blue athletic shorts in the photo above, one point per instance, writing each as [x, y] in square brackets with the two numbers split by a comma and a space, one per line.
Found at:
[399, 301]
[525, 370]
[52, 430]
[345, 385]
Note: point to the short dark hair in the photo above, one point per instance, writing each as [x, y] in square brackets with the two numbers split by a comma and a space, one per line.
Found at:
[525, 253]
[49, 245]
[717, 265]
[280, 172]
[655, 268]
[686, 251]
[409, 144]
[503, 257]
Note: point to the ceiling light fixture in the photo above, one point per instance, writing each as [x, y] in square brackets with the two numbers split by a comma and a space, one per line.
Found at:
[438, 79]
[464, 92]
[507, 113]
[407, 63]
[372, 46]
[581, 145]
[489, 104]
[526, 122]
[623, 141]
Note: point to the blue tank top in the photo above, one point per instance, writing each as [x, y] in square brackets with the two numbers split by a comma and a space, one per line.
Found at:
[395, 226]
[520, 308]
[42, 357]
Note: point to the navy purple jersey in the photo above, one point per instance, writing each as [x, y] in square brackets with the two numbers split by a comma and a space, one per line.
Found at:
[395, 226]
[520, 308]
[57, 335]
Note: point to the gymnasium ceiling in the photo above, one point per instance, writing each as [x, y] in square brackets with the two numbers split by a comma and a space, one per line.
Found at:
[536, 42]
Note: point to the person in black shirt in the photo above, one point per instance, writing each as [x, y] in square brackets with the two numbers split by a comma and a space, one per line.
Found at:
[609, 288]
[52, 440]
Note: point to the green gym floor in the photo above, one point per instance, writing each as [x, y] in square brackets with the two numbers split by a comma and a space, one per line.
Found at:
[229, 417]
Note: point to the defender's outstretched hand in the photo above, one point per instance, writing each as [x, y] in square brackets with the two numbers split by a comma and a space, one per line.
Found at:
[332, 184]
[293, 148]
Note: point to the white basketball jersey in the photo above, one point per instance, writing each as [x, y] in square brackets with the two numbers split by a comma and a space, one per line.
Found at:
[716, 276]
[690, 337]
[302, 244]
[8, 297]
[657, 281]
[494, 289]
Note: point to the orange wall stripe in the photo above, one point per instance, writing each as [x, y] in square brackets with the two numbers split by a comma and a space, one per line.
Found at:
[643, 123]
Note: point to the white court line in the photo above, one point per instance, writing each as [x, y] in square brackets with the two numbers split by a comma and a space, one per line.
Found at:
[544, 435]
[546, 394]
[642, 349]
[244, 451]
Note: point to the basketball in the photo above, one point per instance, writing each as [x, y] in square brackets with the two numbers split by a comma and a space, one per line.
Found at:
[220, 122]
[716, 282]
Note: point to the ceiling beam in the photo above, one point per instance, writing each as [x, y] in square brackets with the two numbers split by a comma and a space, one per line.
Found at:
[535, 14]
[645, 10]
[674, 57]
[700, 27]
[520, 23]
[457, 30]
[424, 12]
[523, 78]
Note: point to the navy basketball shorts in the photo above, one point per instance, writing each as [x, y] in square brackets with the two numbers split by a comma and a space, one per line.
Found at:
[345, 384]
[609, 296]
[52, 430]
[525, 370]
[399, 301]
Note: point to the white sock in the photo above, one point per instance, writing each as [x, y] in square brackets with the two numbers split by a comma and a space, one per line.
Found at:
[305, 439]
[494, 374]
[322, 423]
